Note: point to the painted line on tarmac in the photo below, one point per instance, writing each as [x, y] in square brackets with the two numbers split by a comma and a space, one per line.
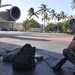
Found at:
[48, 38]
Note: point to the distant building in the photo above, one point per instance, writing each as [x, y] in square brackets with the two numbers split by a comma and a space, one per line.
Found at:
[18, 26]
[11, 25]
[7, 25]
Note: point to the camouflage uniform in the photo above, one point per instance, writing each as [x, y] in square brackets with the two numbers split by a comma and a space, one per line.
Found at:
[69, 54]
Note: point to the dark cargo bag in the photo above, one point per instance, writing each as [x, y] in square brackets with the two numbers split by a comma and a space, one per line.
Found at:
[25, 59]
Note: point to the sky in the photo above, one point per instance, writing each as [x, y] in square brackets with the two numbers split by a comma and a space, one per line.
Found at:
[24, 5]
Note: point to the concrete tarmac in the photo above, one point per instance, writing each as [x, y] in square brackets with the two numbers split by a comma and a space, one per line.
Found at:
[49, 45]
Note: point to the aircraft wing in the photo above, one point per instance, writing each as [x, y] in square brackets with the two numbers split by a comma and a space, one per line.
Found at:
[5, 5]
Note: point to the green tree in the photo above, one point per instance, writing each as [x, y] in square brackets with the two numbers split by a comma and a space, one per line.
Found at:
[27, 24]
[24, 24]
[32, 13]
[50, 27]
[59, 27]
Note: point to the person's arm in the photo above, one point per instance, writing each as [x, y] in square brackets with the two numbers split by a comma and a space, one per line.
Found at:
[72, 44]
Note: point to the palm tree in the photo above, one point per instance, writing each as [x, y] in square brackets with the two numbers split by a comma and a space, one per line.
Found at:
[58, 17]
[53, 15]
[71, 16]
[45, 18]
[63, 15]
[31, 13]
[73, 4]
[44, 11]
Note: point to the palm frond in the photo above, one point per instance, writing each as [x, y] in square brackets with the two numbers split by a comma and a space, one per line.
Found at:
[73, 4]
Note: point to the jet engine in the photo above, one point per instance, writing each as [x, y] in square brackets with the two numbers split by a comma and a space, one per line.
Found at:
[10, 13]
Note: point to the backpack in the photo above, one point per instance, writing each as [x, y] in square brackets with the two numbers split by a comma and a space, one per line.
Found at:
[25, 58]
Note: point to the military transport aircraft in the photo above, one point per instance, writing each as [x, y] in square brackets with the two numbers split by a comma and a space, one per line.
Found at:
[9, 12]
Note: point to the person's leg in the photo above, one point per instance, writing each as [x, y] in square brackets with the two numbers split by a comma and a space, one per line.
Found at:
[10, 56]
[72, 44]
[69, 54]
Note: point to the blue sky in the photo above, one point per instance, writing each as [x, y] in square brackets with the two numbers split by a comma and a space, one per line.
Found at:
[57, 5]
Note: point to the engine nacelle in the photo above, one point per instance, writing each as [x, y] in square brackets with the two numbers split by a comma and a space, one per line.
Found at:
[10, 13]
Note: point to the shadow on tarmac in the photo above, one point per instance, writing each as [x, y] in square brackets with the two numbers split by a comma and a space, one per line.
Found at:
[41, 67]
[24, 38]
